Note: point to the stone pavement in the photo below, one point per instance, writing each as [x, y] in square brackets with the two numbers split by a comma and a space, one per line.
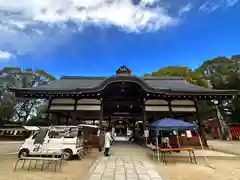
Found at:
[123, 167]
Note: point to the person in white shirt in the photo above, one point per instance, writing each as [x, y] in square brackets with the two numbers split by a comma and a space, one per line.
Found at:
[107, 142]
[165, 140]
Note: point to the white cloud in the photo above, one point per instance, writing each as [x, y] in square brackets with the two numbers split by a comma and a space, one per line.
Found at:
[212, 5]
[4, 55]
[26, 25]
[186, 8]
[231, 3]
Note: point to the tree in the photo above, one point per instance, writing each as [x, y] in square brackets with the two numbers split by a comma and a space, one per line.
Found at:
[223, 73]
[23, 110]
[189, 75]
[39, 116]
[7, 102]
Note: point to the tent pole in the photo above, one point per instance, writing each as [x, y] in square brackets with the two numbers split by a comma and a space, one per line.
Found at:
[178, 139]
[157, 145]
[201, 143]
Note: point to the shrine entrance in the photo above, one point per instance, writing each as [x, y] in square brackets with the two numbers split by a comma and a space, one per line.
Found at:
[74, 100]
[121, 129]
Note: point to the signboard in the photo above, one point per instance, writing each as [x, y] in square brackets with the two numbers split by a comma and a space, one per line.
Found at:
[189, 133]
[175, 133]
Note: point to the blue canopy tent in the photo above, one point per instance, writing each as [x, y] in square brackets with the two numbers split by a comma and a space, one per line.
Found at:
[171, 124]
[174, 124]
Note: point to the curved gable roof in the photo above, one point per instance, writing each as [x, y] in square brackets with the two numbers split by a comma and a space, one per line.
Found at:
[148, 83]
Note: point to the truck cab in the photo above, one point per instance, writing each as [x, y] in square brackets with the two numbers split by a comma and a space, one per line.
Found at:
[66, 140]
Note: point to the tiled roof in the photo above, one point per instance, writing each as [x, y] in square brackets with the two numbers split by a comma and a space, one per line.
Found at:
[174, 84]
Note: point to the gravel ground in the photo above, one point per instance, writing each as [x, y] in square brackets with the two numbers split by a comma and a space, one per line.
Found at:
[225, 166]
[71, 170]
[9, 146]
[221, 168]
[225, 146]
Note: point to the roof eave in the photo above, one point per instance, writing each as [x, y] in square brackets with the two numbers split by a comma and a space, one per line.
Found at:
[167, 91]
[209, 92]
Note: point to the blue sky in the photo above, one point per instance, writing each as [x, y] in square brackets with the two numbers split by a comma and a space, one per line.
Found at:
[144, 35]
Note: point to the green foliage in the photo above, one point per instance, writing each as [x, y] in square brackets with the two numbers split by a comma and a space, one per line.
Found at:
[43, 76]
[21, 78]
[224, 73]
[7, 102]
[189, 75]
[219, 73]
[7, 70]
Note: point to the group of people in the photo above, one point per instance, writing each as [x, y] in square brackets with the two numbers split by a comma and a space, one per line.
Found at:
[105, 140]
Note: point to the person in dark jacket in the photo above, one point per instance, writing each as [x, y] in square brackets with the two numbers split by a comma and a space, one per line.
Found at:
[100, 140]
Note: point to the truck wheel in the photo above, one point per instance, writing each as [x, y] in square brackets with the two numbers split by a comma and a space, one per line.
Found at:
[67, 154]
[23, 153]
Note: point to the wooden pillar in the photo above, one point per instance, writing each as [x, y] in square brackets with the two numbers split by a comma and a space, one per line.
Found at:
[74, 122]
[144, 120]
[134, 127]
[67, 120]
[101, 115]
[170, 108]
[200, 124]
[48, 109]
[144, 115]
[109, 121]
[59, 119]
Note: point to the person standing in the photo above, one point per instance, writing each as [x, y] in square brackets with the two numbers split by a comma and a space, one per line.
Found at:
[165, 141]
[107, 142]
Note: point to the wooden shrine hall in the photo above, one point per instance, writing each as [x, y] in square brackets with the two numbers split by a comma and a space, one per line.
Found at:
[122, 95]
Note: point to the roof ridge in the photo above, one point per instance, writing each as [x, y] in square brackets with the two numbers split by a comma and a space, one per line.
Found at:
[83, 77]
[161, 78]
[140, 77]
